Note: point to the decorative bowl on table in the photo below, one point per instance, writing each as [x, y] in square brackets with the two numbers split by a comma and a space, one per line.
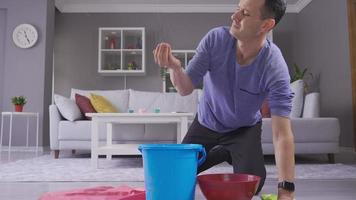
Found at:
[228, 186]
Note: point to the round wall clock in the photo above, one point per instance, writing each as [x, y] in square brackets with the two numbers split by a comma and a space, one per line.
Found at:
[25, 35]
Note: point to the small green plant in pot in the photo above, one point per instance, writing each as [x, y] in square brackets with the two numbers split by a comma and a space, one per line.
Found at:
[298, 73]
[19, 102]
[163, 73]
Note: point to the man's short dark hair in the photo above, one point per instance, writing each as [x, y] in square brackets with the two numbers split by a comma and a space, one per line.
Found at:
[274, 9]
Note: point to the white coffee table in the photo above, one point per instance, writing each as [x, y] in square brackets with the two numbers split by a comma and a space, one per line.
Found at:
[181, 119]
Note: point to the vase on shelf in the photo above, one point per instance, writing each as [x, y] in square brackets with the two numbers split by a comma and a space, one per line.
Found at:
[112, 42]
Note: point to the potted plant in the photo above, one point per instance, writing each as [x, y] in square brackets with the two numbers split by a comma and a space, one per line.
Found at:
[19, 102]
[163, 73]
[298, 73]
[132, 65]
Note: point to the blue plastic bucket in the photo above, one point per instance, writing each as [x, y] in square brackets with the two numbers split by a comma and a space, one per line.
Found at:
[171, 170]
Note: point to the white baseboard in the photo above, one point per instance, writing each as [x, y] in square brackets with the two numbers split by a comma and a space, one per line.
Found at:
[25, 149]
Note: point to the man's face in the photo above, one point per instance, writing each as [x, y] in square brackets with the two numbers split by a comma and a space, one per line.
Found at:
[247, 20]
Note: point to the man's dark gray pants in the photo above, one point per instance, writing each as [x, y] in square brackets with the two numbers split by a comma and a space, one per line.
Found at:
[241, 148]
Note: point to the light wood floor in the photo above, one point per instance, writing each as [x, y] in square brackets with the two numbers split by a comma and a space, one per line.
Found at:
[306, 189]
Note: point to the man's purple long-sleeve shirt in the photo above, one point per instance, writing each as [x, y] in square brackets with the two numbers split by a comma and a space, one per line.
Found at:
[233, 94]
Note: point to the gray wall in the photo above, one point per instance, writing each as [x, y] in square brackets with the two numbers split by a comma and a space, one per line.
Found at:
[76, 46]
[285, 36]
[2, 52]
[322, 35]
[26, 71]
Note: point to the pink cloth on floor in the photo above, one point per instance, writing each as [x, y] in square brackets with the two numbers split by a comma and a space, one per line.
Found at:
[98, 193]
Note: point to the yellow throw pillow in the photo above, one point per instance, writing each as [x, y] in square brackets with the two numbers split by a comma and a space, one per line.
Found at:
[101, 104]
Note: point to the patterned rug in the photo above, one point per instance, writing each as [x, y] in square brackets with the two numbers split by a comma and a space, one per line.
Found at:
[45, 168]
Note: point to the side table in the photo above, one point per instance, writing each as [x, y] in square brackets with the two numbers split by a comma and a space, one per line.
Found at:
[20, 114]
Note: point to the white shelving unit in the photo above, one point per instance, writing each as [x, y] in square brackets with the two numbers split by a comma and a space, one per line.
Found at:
[184, 56]
[121, 51]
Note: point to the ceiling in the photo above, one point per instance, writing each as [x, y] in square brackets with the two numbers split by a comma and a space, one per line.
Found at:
[163, 6]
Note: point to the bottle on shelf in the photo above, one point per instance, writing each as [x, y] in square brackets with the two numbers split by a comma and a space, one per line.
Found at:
[112, 43]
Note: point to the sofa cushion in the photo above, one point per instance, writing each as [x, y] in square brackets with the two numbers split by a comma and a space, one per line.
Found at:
[118, 98]
[312, 105]
[167, 102]
[307, 130]
[297, 101]
[101, 104]
[67, 107]
[84, 105]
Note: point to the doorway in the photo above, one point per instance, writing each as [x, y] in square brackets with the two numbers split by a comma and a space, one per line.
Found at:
[351, 4]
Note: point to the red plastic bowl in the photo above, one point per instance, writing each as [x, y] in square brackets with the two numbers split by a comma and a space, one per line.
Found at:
[228, 186]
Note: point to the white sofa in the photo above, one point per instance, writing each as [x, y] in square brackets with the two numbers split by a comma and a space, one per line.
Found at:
[311, 135]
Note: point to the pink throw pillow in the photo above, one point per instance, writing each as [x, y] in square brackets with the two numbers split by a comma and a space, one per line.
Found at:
[84, 105]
